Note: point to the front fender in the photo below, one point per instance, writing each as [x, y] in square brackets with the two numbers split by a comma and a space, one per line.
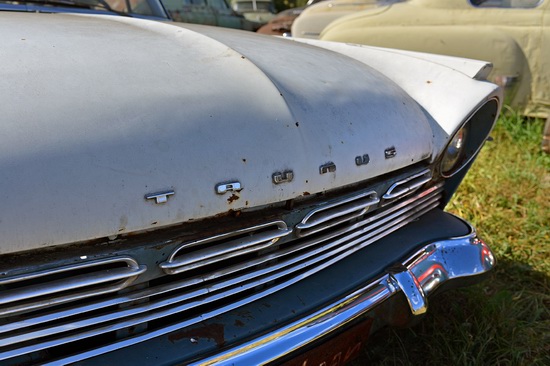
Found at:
[511, 70]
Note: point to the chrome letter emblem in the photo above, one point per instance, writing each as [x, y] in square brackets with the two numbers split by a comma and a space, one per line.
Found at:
[160, 197]
[362, 160]
[283, 177]
[390, 152]
[327, 168]
[223, 188]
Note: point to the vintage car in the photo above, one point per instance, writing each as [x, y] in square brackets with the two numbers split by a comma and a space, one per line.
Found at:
[513, 34]
[207, 12]
[257, 11]
[170, 195]
[149, 9]
[315, 18]
[281, 23]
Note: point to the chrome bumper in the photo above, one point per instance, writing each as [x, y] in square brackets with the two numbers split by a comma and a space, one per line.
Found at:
[452, 260]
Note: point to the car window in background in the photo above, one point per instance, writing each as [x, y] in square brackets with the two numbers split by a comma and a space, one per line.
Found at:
[139, 8]
[131, 6]
[506, 3]
[252, 5]
[219, 4]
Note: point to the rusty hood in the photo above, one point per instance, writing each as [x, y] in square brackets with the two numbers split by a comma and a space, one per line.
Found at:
[100, 111]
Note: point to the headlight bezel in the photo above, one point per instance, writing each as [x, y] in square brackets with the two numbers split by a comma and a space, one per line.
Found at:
[466, 141]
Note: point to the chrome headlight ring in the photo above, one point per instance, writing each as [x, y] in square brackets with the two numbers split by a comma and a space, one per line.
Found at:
[468, 139]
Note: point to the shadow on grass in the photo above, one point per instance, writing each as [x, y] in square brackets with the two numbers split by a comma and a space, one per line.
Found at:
[502, 321]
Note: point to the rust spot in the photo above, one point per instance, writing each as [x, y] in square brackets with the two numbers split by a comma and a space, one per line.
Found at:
[239, 323]
[243, 57]
[306, 193]
[210, 331]
[234, 197]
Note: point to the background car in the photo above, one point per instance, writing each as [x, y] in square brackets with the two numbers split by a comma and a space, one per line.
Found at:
[281, 23]
[151, 9]
[208, 12]
[258, 11]
[170, 195]
[513, 35]
[315, 18]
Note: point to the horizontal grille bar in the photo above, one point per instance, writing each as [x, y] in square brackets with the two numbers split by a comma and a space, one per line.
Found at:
[408, 185]
[332, 214]
[221, 247]
[60, 285]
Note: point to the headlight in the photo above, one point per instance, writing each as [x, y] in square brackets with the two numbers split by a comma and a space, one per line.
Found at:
[468, 139]
[454, 151]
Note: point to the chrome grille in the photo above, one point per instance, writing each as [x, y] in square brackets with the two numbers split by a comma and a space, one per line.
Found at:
[330, 215]
[259, 265]
[408, 185]
[56, 286]
[222, 247]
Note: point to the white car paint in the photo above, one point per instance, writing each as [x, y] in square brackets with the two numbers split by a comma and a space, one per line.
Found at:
[98, 123]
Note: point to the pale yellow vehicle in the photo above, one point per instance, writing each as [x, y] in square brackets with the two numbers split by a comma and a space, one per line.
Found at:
[513, 34]
[316, 17]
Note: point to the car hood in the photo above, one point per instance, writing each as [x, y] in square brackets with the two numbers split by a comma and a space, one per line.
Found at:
[99, 111]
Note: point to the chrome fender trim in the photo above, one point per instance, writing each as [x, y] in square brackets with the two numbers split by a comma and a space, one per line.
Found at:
[451, 259]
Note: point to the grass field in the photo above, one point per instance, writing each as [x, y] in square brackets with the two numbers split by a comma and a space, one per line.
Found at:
[506, 319]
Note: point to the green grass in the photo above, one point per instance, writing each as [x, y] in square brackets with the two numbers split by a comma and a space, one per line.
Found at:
[506, 319]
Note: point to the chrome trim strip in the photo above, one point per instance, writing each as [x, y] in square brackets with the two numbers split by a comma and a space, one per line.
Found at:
[225, 250]
[457, 258]
[36, 274]
[28, 297]
[401, 187]
[347, 209]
